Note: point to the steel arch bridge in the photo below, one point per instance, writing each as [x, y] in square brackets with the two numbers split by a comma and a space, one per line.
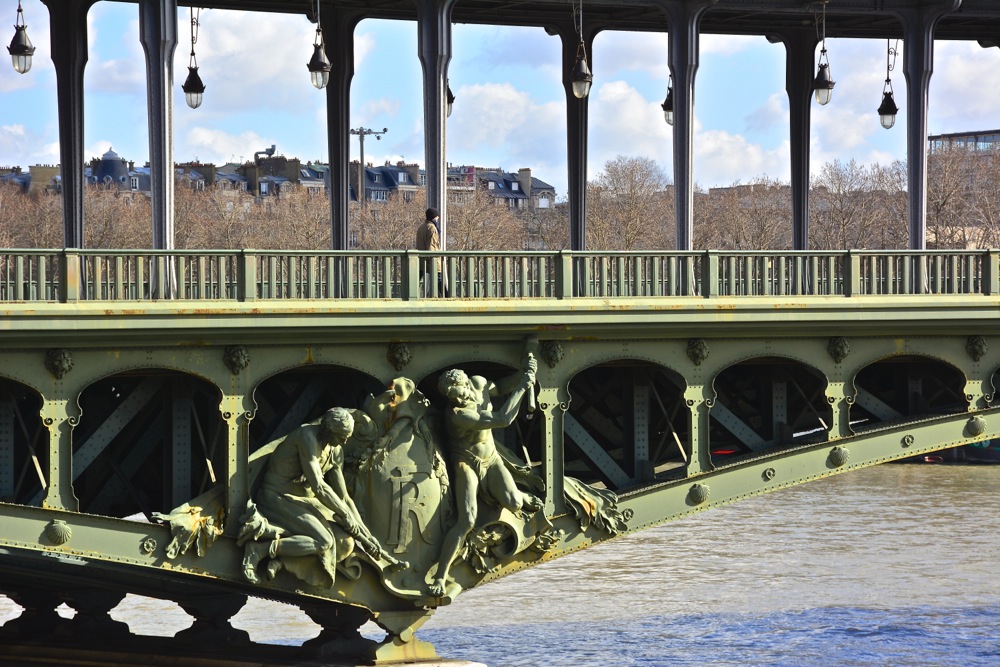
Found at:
[138, 412]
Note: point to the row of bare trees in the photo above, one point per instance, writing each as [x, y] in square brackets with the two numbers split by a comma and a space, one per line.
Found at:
[630, 207]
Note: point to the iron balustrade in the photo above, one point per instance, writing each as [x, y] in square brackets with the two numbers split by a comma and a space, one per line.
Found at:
[249, 275]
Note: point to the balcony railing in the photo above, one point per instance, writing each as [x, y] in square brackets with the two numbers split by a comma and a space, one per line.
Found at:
[250, 275]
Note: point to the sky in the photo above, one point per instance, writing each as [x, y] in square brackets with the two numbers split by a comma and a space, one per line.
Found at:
[510, 104]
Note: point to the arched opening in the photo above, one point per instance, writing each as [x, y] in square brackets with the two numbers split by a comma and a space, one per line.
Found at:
[767, 403]
[906, 386]
[148, 440]
[24, 446]
[626, 424]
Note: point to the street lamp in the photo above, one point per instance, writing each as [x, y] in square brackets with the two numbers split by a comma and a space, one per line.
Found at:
[580, 78]
[319, 65]
[361, 133]
[20, 48]
[451, 100]
[823, 84]
[888, 109]
[668, 104]
[193, 87]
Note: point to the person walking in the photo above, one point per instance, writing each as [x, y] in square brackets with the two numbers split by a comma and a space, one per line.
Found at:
[429, 238]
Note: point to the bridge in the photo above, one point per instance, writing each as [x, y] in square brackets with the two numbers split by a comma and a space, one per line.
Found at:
[144, 392]
[161, 410]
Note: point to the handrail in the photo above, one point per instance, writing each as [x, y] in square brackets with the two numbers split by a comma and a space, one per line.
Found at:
[70, 275]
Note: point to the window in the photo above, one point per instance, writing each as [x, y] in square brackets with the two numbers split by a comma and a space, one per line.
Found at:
[375, 178]
[407, 196]
[492, 185]
[403, 176]
[378, 195]
[263, 189]
[515, 186]
[134, 183]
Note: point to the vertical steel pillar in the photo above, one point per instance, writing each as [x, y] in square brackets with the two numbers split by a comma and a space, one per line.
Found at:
[552, 404]
[800, 50]
[158, 34]
[68, 28]
[840, 407]
[683, 20]
[699, 399]
[918, 65]
[338, 29]
[59, 417]
[434, 49]
[576, 133]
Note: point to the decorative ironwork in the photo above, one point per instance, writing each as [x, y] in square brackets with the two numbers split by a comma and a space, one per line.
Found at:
[59, 362]
[399, 355]
[976, 347]
[58, 532]
[838, 348]
[697, 350]
[236, 358]
[551, 352]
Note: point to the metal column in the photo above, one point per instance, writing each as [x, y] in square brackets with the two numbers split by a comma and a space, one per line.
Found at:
[684, 18]
[434, 49]
[158, 34]
[68, 28]
[918, 63]
[800, 51]
[576, 134]
[339, 40]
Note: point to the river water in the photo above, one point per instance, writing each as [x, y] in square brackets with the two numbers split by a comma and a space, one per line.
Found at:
[897, 565]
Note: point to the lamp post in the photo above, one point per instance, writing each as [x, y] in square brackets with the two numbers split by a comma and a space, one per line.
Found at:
[361, 133]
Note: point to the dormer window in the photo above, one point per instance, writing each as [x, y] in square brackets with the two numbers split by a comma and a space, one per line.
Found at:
[375, 178]
[135, 183]
[492, 185]
[402, 177]
[514, 186]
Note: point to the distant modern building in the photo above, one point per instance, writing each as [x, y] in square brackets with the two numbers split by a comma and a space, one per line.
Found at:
[976, 140]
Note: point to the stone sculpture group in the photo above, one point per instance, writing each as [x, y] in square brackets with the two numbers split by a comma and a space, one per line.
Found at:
[399, 485]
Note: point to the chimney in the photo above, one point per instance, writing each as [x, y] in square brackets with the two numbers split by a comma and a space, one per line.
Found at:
[524, 178]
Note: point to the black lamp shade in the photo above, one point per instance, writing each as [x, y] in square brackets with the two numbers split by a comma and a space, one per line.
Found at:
[887, 110]
[193, 88]
[581, 78]
[319, 67]
[823, 84]
[21, 50]
[668, 107]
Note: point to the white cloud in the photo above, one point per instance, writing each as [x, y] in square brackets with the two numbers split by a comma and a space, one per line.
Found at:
[22, 146]
[616, 52]
[249, 61]
[629, 125]
[218, 146]
[727, 45]
[721, 158]
[774, 113]
[383, 105]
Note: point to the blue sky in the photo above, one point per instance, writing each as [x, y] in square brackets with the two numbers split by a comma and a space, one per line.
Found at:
[510, 108]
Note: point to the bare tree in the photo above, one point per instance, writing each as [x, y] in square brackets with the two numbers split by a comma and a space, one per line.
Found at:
[627, 206]
[751, 216]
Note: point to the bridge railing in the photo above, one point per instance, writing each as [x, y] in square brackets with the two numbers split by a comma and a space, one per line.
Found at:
[249, 275]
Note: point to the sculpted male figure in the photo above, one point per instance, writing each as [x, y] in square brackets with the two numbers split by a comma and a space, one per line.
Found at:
[478, 467]
[305, 502]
